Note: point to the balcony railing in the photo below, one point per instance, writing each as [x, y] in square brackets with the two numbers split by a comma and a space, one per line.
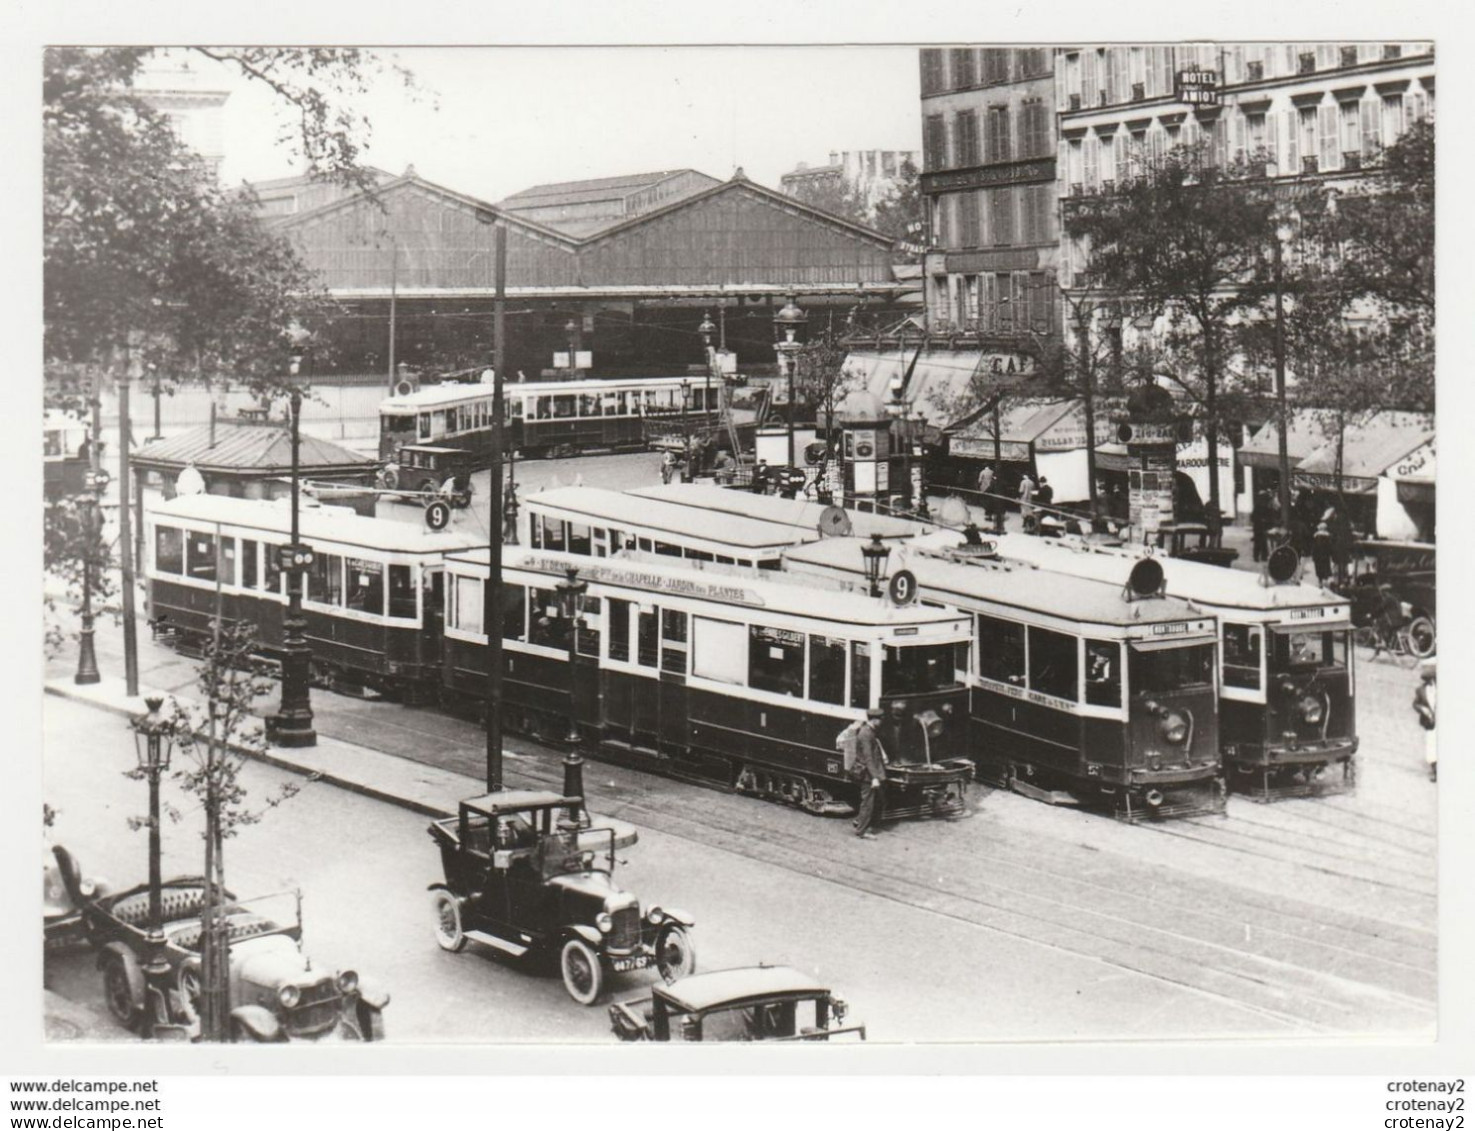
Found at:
[1306, 64]
[1254, 71]
[1139, 91]
[1075, 101]
[1309, 164]
[1349, 56]
[1352, 161]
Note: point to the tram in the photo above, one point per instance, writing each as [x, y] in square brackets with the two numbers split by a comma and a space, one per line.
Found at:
[66, 461]
[372, 597]
[808, 520]
[595, 522]
[1081, 692]
[739, 680]
[542, 418]
[1287, 693]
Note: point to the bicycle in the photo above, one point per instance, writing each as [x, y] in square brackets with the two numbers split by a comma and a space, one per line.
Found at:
[1401, 642]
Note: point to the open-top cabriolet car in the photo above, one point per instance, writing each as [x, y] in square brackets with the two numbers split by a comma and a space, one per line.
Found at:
[275, 993]
[524, 878]
[758, 1003]
[61, 916]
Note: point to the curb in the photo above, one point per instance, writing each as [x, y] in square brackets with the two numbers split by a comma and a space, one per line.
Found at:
[270, 759]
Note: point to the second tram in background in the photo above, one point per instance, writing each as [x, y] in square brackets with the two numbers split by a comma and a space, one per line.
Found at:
[1287, 695]
[543, 418]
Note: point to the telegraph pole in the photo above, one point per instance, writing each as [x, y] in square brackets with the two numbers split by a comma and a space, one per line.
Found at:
[493, 617]
[125, 534]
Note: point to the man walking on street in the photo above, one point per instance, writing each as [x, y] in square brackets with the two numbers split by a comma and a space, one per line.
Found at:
[985, 487]
[1026, 496]
[870, 770]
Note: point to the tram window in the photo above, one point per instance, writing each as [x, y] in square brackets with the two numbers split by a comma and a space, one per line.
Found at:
[1242, 643]
[719, 650]
[589, 404]
[514, 409]
[827, 670]
[578, 539]
[619, 629]
[673, 641]
[546, 623]
[770, 563]
[168, 549]
[467, 610]
[449, 418]
[402, 592]
[648, 643]
[698, 556]
[271, 573]
[1309, 649]
[514, 612]
[721, 560]
[52, 444]
[227, 561]
[919, 667]
[587, 627]
[1103, 673]
[1172, 669]
[1000, 649]
[644, 544]
[248, 564]
[200, 549]
[543, 407]
[553, 533]
[425, 426]
[776, 660]
[564, 406]
[1052, 663]
[668, 550]
[860, 674]
[326, 579]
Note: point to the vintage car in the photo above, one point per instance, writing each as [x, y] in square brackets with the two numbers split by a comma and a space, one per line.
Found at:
[424, 469]
[758, 1003]
[1194, 542]
[525, 878]
[61, 915]
[275, 994]
[1407, 569]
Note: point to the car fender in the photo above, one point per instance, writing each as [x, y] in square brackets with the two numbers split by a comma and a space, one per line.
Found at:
[131, 967]
[589, 934]
[681, 918]
[261, 1023]
[372, 996]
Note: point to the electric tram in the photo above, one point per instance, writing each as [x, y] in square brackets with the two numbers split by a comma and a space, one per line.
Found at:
[1287, 694]
[739, 680]
[1081, 692]
[808, 520]
[372, 595]
[542, 418]
[66, 460]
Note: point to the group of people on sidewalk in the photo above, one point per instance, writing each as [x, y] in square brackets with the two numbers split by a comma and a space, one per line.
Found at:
[1031, 497]
[1324, 534]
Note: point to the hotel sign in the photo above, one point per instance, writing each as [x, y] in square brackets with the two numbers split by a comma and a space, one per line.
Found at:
[1197, 88]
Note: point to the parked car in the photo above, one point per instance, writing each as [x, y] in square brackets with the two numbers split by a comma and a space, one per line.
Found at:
[424, 469]
[275, 993]
[1194, 542]
[61, 915]
[524, 878]
[1408, 570]
[759, 1003]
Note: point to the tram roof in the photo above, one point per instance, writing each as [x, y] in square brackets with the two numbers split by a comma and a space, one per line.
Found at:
[453, 392]
[642, 513]
[332, 524]
[800, 514]
[1021, 585]
[1188, 580]
[786, 594]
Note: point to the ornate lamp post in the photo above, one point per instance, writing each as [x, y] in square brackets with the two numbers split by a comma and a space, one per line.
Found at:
[571, 331]
[569, 592]
[153, 740]
[292, 724]
[875, 553]
[686, 475]
[787, 324]
[706, 330]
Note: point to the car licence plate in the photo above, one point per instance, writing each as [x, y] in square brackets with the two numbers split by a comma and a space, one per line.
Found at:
[625, 965]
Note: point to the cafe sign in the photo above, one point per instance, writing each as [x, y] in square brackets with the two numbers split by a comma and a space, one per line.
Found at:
[982, 447]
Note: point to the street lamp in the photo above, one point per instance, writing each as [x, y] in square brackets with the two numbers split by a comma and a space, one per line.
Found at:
[686, 429]
[1283, 457]
[896, 408]
[569, 591]
[292, 724]
[875, 554]
[787, 324]
[153, 741]
[706, 330]
[571, 331]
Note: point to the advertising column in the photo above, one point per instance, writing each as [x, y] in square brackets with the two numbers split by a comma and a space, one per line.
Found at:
[1152, 447]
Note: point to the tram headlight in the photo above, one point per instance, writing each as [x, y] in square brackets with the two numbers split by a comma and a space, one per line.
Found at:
[1153, 797]
[1311, 709]
[931, 722]
[1174, 728]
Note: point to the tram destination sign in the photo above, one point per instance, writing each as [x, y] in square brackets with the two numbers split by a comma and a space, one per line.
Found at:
[636, 578]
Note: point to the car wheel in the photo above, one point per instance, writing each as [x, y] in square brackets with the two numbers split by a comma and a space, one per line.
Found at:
[1421, 637]
[188, 983]
[675, 956]
[118, 992]
[583, 973]
[448, 931]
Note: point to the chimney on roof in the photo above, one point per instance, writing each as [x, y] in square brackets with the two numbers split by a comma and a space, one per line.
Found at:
[739, 175]
[409, 170]
[834, 158]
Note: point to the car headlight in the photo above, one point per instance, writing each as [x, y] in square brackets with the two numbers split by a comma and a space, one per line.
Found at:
[289, 996]
[1312, 710]
[348, 981]
[89, 889]
[605, 922]
[656, 916]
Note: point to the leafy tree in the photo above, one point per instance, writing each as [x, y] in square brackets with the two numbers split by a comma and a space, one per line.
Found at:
[1184, 241]
[901, 214]
[836, 196]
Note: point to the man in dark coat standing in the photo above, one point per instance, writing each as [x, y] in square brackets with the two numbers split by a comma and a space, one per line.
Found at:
[1262, 518]
[870, 769]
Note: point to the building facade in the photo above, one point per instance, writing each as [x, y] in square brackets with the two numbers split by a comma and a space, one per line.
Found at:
[869, 173]
[581, 208]
[989, 181]
[172, 85]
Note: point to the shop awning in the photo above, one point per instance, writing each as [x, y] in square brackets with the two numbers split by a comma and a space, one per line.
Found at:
[1303, 437]
[1114, 457]
[1022, 421]
[1369, 448]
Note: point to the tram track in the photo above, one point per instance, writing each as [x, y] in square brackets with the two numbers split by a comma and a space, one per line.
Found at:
[1293, 963]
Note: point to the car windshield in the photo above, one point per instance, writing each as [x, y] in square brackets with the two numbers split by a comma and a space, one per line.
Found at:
[922, 667]
[1171, 669]
[1309, 649]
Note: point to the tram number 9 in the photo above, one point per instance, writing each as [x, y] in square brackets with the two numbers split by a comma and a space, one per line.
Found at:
[902, 588]
[437, 515]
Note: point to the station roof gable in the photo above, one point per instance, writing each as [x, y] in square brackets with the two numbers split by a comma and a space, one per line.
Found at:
[246, 449]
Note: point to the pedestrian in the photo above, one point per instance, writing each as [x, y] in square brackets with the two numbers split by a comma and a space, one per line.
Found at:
[1342, 543]
[1045, 496]
[870, 770]
[985, 490]
[1426, 697]
[1026, 496]
[1321, 553]
[1260, 523]
[668, 467]
[760, 478]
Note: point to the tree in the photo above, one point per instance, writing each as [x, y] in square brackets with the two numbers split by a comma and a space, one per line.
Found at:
[1185, 241]
[901, 214]
[834, 195]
